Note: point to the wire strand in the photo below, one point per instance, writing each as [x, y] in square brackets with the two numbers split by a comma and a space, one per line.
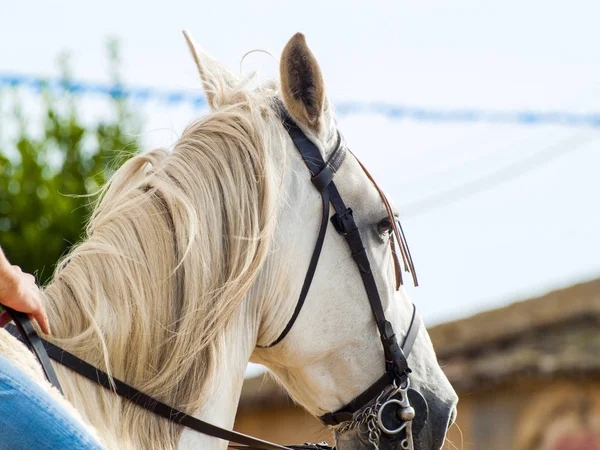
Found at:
[491, 180]
[390, 111]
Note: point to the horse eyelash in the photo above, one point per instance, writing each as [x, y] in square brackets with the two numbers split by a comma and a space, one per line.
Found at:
[385, 226]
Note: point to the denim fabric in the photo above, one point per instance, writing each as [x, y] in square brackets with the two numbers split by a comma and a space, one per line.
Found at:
[30, 419]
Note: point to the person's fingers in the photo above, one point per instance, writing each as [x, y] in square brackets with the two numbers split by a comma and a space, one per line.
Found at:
[37, 311]
[42, 321]
[25, 296]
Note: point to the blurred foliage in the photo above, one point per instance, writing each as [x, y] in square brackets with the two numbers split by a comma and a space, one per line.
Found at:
[47, 179]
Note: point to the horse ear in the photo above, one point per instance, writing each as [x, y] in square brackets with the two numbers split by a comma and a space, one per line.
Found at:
[216, 78]
[302, 86]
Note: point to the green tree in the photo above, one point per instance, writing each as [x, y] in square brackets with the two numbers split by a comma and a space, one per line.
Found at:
[47, 180]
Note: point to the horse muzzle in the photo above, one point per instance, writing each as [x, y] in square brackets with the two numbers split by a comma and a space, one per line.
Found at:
[392, 421]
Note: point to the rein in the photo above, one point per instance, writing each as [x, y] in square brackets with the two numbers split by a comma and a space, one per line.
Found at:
[390, 397]
[132, 394]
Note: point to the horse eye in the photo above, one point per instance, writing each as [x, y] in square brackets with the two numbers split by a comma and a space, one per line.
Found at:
[385, 226]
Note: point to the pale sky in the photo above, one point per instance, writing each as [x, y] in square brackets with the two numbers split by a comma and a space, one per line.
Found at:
[534, 233]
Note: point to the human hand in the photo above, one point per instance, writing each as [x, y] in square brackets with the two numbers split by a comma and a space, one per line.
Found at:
[19, 292]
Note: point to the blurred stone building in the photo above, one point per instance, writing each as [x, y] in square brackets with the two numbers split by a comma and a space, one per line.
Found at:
[528, 377]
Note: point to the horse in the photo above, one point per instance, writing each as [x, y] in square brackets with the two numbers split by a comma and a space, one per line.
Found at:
[192, 263]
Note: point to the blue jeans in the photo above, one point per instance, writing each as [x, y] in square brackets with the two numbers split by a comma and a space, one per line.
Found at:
[30, 419]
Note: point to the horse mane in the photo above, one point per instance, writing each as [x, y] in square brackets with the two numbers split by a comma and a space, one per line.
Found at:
[174, 243]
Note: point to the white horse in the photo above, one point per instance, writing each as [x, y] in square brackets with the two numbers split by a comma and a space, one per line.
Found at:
[194, 258]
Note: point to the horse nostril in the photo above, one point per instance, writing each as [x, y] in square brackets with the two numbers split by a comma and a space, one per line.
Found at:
[452, 418]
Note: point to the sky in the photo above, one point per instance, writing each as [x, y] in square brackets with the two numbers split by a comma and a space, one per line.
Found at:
[530, 222]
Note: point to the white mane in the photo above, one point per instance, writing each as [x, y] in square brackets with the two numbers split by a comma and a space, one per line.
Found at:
[172, 248]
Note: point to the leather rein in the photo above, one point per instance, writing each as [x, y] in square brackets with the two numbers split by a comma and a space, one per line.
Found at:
[395, 379]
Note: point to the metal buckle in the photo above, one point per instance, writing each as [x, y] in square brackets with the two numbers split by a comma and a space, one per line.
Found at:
[340, 221]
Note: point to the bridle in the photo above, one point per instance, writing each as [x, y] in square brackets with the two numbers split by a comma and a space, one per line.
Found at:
[390, 391]
[384, 408]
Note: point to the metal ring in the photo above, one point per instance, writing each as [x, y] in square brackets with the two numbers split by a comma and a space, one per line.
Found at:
[380, 416]
[403, 387]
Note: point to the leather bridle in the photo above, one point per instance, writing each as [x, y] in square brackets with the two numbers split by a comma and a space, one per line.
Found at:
[384, 407]
[396, 365]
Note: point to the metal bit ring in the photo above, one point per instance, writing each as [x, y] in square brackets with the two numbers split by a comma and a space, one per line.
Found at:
[380, 417]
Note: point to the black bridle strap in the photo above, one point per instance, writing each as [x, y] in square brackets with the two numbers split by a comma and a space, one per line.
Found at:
[345, 224]
[322, 176]
[32, 340]
[314, 161]
[314, 260]
[143, 400]
[393, 352]
[397, 369]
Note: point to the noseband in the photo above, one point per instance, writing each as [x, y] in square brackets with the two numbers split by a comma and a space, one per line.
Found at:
[384, 408]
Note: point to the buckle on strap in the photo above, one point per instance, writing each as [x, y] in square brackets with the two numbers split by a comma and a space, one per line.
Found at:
[397, 363]
[343, 223]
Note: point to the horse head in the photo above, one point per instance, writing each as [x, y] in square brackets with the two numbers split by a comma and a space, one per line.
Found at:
[328, 351]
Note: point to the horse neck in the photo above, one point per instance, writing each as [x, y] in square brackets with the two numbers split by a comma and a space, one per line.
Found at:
[221, 406]
[155, 296]
[133, 429]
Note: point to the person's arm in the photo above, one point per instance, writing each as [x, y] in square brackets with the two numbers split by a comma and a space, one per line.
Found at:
[19, 291]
